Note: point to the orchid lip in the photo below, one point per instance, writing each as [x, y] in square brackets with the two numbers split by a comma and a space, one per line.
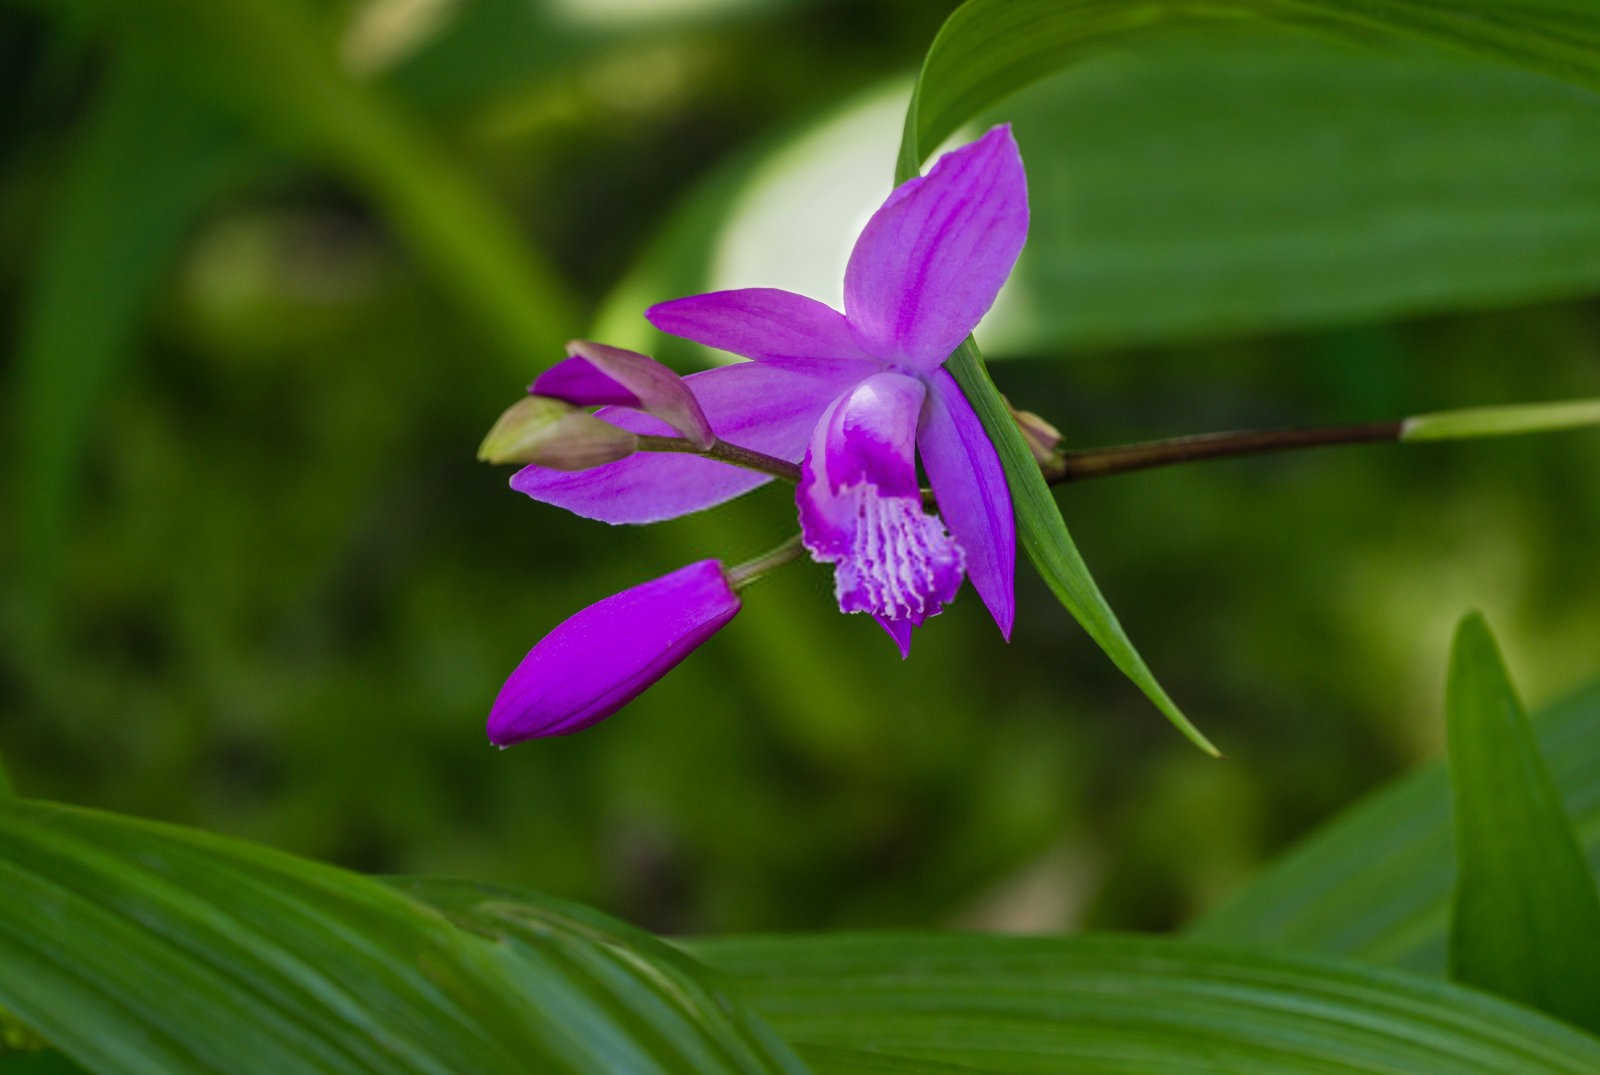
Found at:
[861, 509]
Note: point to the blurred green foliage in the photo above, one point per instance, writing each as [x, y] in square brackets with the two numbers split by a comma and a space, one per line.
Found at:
[288, 594]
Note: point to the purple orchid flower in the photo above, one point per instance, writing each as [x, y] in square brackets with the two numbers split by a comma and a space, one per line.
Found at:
[855, 398]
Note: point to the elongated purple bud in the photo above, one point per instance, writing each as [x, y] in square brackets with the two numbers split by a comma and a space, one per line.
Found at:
[599, 660]
[595, 375]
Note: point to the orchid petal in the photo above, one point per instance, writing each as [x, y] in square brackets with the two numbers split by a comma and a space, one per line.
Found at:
[861, 507]
[598, 660]
[763, 323]
[973, 497]
[595, 374]
[930, 262]
[899, 631]
[768, 407]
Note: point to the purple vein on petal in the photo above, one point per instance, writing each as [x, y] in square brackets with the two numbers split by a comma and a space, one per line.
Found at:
[763, 323]
[930, 262]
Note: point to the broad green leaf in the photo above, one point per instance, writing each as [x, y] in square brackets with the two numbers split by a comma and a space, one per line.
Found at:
[1312, 182]
[988, 49]
[1376, 883]
[148, 164]
[648, 983]
[974, 1003]
[1526, 918]
[137, 947]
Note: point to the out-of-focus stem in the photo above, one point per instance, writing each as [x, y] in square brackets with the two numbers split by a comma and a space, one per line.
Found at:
[742, 575]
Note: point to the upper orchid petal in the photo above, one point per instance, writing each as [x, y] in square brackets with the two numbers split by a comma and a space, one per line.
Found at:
[595, 374]
[764, 323]
[861, 508]
[973, 497]
[598, 660]
[930, 262]
[768, 407]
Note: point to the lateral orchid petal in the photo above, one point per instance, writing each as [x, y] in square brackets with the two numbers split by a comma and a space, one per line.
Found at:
[861, 508]
[763, 323]
[770, 407]
[595, 374]
[973, 497]
[598, 660]
[930, 262]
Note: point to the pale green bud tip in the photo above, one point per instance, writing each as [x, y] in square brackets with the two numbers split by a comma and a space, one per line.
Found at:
[555, 434]
[1502, 421]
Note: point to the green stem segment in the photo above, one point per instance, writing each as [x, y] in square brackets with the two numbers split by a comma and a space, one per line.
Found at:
[742, 575]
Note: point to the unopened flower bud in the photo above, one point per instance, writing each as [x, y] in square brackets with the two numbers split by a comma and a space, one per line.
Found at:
[554, 434]
[1044, 439]
[598, 660]
[595, 375]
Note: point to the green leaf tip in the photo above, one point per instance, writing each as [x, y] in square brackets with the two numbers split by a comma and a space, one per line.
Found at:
[1050, 546]
[1502, 421]
[1525, 920]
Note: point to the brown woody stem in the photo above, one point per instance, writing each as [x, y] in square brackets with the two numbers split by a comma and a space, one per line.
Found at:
[1099, 462]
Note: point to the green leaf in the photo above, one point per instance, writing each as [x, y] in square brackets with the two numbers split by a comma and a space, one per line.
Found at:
[650, 983]
[169, 157]
[1526, 920]
[137, 947]
[1376, 883]
[1051, 548]
[1313, 182]
[973, 1003]
[988, 49]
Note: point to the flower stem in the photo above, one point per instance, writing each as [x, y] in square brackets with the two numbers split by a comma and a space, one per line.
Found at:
[742, 575]
[1441, 425]
[1099, 462]
[721, 450]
